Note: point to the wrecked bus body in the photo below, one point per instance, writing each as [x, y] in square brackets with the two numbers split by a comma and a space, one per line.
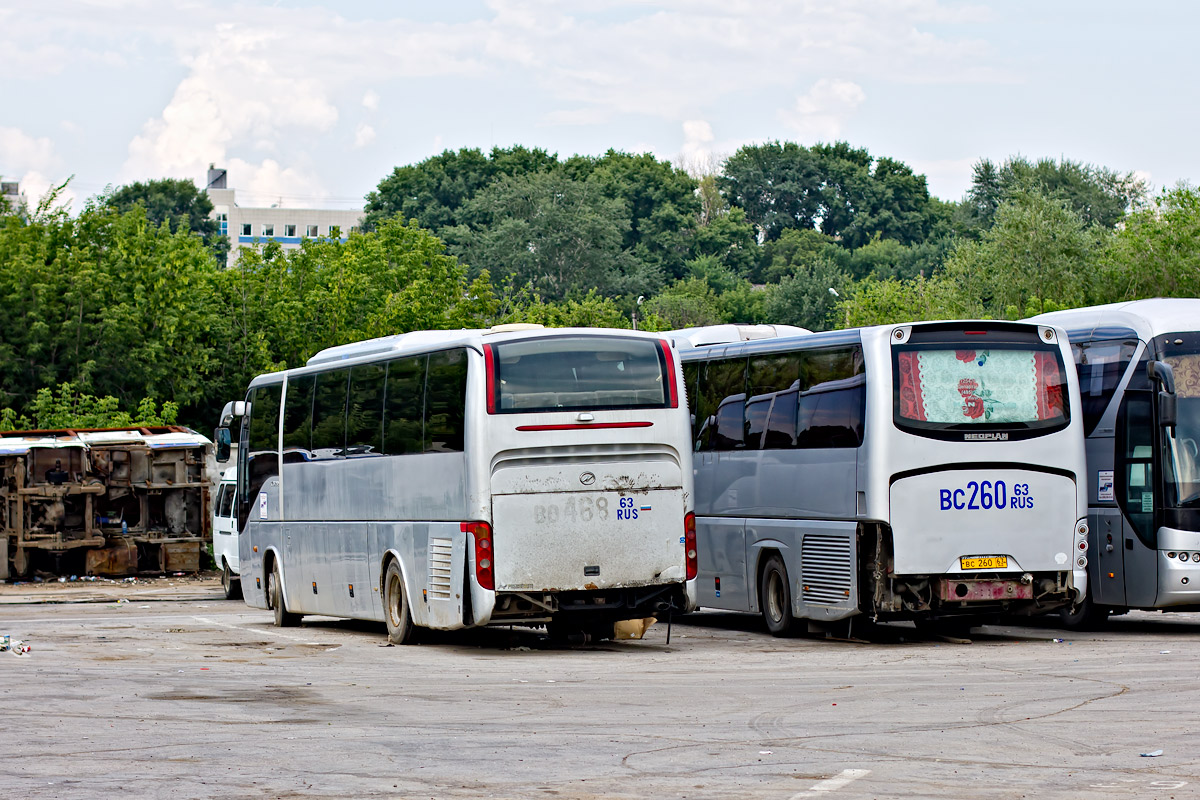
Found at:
[103, 502]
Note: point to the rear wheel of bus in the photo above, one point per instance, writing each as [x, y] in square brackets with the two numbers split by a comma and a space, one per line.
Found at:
[775, 595]
[396, 611]
[283, 617]
[1087, 616]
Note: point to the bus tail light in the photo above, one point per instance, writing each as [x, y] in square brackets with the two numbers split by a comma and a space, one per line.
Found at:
[689, 544]
[485, 557]
[489, 361]
[672, 389]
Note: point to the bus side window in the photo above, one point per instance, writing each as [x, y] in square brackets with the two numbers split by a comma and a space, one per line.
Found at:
[329, 415]
[445, 402]
[720, 405]
[773, 378]
[1100, 365]
[262, 439]
[831, 407]
[297, 419]
[364, 414]
[1136, 452]
[403, 416]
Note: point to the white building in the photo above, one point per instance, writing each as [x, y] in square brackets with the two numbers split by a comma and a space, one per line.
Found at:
[251, 227]
[10, 195]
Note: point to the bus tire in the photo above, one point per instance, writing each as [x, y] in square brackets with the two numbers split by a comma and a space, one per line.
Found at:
[775, 597]
[396, 612]
[1087, 616]
[283, 617]
[229, 582]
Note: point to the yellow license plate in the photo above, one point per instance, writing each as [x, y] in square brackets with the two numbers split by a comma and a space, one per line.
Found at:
[984, 562]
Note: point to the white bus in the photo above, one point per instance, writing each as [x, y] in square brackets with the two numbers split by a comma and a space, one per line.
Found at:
[930, 471]
[225, 535]
[450, 479]
[1139, 377]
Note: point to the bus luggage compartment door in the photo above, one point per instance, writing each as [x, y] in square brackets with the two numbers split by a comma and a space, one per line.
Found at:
[567, 541]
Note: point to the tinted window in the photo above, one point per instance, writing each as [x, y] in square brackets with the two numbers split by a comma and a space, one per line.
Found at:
[832, 398]
[224, 502]
[364, 418]
[1136, 452]
[720, 403]
[565, 373]
[756, 419]
[261, 435]
[1100, 366]
[297, 419]
[781, 426]
[445, 399]
[329, 415]
[405, 403]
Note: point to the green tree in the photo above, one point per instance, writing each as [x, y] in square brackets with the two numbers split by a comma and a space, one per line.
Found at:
[175, 202]
[808, 298]
[1099, 195]
[433, 191]
[1157, 254]
[661, 201]
[558, 235]
[685, 304]
[1039, 254]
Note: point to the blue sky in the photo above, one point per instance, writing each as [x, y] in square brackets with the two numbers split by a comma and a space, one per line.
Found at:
[312, 103]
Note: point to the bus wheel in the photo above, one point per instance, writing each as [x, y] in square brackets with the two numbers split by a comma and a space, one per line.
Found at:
[1087, 616]
[775, 595]
[395, 607]
[283, 617]
[231, 585]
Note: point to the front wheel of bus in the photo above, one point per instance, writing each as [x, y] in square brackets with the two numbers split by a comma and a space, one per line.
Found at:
[283, 617]
[395, 607]
[775, 594]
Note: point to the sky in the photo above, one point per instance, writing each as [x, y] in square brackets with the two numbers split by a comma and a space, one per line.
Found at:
[311, 104]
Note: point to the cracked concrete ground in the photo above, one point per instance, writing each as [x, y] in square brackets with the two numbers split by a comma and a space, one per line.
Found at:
[198, 697]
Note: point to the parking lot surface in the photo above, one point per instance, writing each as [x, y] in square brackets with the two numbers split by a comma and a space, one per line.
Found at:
[192, 696]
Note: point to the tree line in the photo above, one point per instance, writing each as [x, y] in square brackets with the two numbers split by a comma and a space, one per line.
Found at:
[129, 302]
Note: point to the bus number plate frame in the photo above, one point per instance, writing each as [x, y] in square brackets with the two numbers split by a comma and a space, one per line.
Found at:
[983, 562]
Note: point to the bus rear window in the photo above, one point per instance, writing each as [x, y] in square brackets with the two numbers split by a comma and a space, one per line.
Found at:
[566, 373]
[939, 388]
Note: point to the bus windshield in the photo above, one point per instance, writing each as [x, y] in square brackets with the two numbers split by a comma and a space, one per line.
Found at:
[1182, 474]
[566, 373]
[953, 388]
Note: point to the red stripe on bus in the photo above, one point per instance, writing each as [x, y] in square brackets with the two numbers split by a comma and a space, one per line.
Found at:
[584, 425]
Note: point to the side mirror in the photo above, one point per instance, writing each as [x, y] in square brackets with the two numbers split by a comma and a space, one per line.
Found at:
[235, 408]
[1162, 374]
[224, 441]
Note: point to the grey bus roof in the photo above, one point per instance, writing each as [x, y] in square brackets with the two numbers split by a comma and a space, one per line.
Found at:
[728, 334]
[1145, 318]
[778, 344]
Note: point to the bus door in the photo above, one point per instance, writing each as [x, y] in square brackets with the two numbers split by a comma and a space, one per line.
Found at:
[1136, 492]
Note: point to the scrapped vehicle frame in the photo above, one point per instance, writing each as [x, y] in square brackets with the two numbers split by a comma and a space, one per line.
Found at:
[104, 501]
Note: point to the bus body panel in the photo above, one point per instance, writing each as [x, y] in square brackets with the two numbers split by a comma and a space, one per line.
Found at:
[939, 517]
[721, 551]
[820, 556]
[587, 540]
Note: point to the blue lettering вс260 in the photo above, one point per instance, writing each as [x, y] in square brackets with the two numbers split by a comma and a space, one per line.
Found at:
[984, 495]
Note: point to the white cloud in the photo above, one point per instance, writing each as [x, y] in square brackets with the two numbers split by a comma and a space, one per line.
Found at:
[370, 100]
[821, 114]
[268, 183]
[363, 135]
[22, 152]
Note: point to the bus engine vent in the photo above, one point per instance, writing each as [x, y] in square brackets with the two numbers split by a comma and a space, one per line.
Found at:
[441, 554]
[826, 571]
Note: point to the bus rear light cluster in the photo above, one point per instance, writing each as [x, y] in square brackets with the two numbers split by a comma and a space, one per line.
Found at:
[689, 544]
[1081, 562]
[1184, 556]
[485, 569]
[1083, 545]
[672, 390]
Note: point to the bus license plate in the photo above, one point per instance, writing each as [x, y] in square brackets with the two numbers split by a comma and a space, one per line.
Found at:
[984, 562]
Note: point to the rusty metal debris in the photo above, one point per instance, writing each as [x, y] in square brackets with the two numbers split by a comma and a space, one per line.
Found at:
[103, 502]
